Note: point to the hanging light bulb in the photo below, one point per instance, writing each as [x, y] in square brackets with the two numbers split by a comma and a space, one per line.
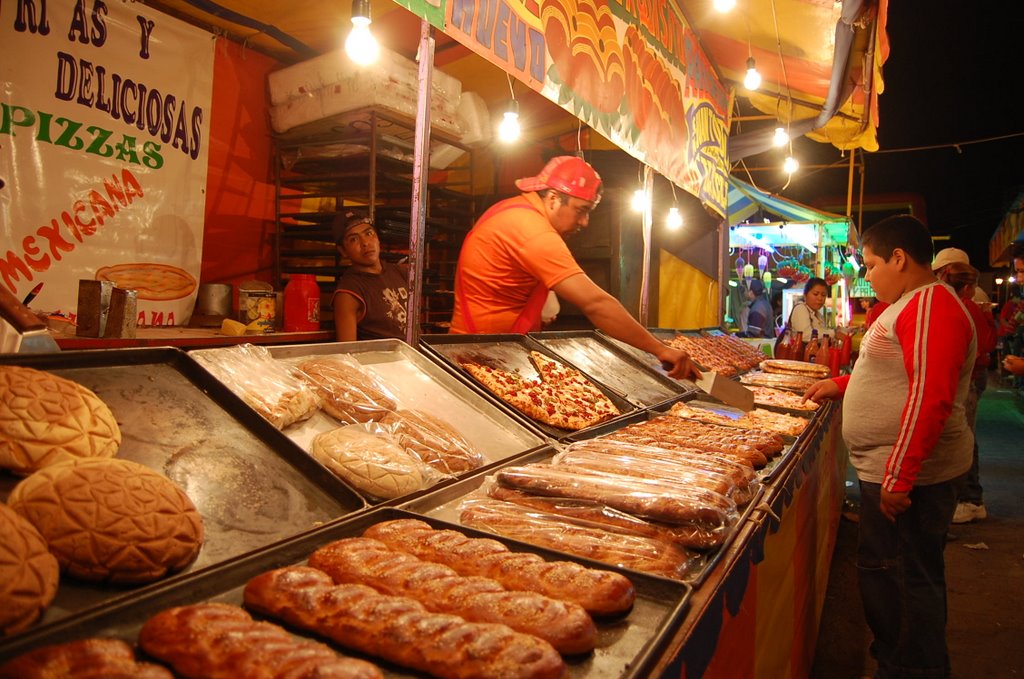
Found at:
[724, 5]
[508, 129]
[674, 220]
[360, 45]
[781, 137]
[753, 79]
[790, 165]
[999, 281]
[639, 200]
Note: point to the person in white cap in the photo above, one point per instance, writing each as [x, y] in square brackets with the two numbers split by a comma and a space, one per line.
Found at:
[953, 267]
[516, 253]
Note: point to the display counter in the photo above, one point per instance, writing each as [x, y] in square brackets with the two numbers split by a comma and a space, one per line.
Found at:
[752, 612]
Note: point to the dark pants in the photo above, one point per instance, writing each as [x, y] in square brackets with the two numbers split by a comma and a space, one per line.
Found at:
[903, 580]
[970, 490]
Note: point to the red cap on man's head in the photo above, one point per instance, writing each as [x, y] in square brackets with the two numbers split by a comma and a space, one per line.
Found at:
[568, 174]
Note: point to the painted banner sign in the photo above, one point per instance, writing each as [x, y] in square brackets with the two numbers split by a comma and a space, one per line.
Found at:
[104, 127]
[631, 69]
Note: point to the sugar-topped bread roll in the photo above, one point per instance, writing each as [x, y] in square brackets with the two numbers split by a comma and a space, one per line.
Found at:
[45, 418]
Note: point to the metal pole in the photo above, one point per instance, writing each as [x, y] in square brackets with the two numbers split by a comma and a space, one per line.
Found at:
[645, 226]
[420, 169]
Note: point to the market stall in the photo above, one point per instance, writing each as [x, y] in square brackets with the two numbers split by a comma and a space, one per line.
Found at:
[784, 243]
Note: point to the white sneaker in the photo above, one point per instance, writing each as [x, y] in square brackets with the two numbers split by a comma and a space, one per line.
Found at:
[967, 512]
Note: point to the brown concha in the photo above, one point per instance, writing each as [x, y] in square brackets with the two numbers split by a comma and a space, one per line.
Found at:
[112, 520]
[45, 419]
[28, 573]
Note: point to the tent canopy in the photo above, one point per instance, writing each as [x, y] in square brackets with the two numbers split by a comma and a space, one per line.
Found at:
[788, 222]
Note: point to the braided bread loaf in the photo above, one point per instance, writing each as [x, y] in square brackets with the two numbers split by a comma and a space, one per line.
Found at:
[399, 629]
[83, 659]
[599, 592]
[217, 640]
[365, 561]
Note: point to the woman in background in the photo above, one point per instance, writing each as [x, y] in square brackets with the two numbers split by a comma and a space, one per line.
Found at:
[807, 315]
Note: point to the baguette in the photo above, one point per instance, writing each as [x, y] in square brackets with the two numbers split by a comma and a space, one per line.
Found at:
[599, 592]
[400, 629]
[576, 537]
[94, 658]
[365, 561]
[691, 535]
[221, 641]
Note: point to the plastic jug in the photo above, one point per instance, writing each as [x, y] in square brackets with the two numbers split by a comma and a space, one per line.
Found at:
[302, 303]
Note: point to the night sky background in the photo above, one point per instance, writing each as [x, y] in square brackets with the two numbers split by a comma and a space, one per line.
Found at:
[955, 75]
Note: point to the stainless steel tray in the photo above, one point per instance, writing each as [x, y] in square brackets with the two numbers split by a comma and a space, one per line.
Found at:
[251, 485]
[417, 382]
[620, 370]
[627, 646]
[510, 352]
[652, 363]
[443, 503]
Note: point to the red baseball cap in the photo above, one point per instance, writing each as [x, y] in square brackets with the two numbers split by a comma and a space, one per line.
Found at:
[570, 175]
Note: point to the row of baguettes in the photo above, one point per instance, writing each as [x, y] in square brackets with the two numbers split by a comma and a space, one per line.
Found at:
[404, 593]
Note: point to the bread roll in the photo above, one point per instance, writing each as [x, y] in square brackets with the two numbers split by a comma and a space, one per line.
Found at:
[83, 659]
[349, 393]
[223, 641]
[28, 573]
[111, 519]
[433, 441]
[372, 464]
[45, 418]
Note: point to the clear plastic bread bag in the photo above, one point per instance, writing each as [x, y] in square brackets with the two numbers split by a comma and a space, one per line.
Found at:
[350, 392]
[432, 440]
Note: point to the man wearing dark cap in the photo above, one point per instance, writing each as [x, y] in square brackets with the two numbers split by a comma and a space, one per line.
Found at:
[516, 253]
[371, 298]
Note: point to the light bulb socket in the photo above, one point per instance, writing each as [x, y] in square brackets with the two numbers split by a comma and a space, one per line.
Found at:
[751, 64]
[512, 107]
[361, 9]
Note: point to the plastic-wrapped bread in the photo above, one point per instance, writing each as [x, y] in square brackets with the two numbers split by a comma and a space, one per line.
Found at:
[366, 561]
[758, 418]
[214, 640]
[801, 368]
[580, 538]
[769, 396]
[767, 443]
[647, 498]
[272, 388]
[652, 433]
[693, 535]
[400, 629]
[600, 592]
[94, 658]
[373, 464]
[349, 392]
[761, 378]
[433, 441]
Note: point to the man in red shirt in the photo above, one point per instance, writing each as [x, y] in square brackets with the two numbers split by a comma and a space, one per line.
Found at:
[516, 253]
[905, 425]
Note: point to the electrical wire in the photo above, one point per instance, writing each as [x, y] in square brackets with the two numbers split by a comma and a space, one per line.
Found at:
[953, 145]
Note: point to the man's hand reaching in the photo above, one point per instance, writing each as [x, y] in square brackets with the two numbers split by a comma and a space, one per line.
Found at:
[678, 364]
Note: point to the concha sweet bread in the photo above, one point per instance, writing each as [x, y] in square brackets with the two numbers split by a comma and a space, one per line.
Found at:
[45, 418]
[112, 520]
[373, 464]
[28, 573]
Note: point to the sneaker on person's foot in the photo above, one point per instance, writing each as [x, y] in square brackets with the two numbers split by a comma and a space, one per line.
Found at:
[967, 512]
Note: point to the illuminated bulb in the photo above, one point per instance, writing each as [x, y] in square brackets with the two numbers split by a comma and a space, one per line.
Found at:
[639, 200]
[360, 45]
[508, 129]
[782, 280]
[781, 138]
[733, 284]
[674, 220]
[1012, 279]
[999, 281]
[753, 79]
[790, 165]
[724, 5]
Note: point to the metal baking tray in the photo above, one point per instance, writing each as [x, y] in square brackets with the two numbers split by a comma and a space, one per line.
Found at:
[416, 382]
[511, 352]
[652, 363]
[627, 646]
[443, 504]
[613, 366]
[252, 486]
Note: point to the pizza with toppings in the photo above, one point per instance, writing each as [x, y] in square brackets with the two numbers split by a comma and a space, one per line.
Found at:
[560, 397]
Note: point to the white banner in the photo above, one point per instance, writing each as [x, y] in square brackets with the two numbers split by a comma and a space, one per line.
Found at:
[104, 128]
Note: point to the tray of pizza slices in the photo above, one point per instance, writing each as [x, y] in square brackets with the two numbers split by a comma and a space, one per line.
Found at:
[388, 421]
[387, 593]
[619, 369]
[527, 377]
[665, 513]
[649, 360]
